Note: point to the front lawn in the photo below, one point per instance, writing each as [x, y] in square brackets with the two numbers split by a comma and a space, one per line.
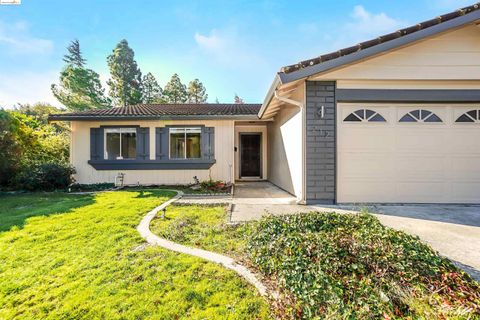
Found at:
[80, 256]
[334, 266]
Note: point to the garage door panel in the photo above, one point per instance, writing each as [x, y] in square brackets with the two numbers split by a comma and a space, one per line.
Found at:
[416, 162]
[416, 191]
[366, 165]
[466, 192]
[425, 141]
[466, 168]
[420, 167]
[363, 140]
[366, 191]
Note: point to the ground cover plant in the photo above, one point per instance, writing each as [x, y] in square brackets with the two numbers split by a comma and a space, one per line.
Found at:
[333, 266]
[350, 266]
[66, 256]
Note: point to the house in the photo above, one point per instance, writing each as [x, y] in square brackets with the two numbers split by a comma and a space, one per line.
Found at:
[392, 120]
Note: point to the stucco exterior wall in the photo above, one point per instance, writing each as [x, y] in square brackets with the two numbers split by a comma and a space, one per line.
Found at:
[285, 150]
[86, 174]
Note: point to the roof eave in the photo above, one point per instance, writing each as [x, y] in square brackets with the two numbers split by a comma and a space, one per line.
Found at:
[163, 117]
[379, 48]
[270, 94]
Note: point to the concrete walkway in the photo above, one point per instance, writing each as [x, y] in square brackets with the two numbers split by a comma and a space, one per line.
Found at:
[144, 230]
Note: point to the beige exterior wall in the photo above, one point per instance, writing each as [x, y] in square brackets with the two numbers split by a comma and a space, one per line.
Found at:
[86, 174]
[449, 56]
[285, 150]
[261, 128]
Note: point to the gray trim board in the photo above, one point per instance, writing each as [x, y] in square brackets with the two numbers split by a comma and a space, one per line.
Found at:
[151, 164]
[382, 47]
[407, 95]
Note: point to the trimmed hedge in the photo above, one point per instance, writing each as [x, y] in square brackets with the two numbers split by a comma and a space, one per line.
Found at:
[351, 266]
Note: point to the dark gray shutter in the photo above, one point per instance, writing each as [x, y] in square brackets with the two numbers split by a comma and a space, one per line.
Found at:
[143, 143]
[96, 144]
[208, 142]
[161, 143]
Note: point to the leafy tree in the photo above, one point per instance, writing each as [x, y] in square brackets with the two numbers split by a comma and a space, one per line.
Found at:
[74, 55]
[126, 78]
[238, 100]
[79, 88]
[152, 92]
[197, 92]
[39, 111]
[175, 91]
[10, 147]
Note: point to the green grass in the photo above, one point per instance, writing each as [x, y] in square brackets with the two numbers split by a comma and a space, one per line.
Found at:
[72, 257]
[203, 227]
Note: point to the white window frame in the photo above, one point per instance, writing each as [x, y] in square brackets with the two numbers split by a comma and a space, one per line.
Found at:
[117, 130]
[184, 130]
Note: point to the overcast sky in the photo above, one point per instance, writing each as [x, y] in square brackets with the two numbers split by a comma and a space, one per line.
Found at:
[232, 47]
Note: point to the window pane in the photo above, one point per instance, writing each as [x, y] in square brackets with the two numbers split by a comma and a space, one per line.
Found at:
[193, 145]
[369, 113]
[177, 145]
[416, 114]
[408, 118]
[377, 118]
[129, 145]
[352, 117]
[433, 118]
[464, 118]
[113, 145]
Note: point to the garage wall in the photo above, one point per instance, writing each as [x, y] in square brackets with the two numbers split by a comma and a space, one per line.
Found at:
[320, 144]
[451, 55]
[86, 174]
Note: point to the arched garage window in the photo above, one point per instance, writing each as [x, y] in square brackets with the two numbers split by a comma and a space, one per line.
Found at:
[364, 115]
[420, 115]
[470, 116]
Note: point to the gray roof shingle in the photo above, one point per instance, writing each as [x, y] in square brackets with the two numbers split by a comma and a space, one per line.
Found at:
[164, 111]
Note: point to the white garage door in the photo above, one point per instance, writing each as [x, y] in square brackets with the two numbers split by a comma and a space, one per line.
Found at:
[408, 153]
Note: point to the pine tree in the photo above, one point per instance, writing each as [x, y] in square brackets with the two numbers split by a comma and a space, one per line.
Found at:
[79, 88]
[175, 91]
[216, 100]
[74, 56]
[238, 100]
[197, 92]
[152, 92]
[126, 79]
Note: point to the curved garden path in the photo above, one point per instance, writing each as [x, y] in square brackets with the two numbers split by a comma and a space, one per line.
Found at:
[144, 230]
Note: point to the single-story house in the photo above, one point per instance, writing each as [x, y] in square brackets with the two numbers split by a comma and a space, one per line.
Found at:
[392, 120]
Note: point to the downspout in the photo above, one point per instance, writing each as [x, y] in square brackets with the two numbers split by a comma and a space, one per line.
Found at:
[301, 107]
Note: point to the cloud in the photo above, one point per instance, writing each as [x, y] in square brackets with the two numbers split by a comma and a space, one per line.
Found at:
[367, 24]
[16, 38]
[27, 87]
[228, 47]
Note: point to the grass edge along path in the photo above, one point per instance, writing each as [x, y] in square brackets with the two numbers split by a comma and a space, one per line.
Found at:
[144, 230]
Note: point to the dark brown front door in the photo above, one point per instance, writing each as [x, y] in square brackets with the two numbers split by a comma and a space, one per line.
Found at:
[250, 155]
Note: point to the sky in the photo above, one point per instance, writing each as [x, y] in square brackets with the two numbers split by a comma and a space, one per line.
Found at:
[233, 47]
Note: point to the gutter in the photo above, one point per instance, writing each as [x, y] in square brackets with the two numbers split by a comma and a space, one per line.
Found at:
[61, 117]
[300, 105]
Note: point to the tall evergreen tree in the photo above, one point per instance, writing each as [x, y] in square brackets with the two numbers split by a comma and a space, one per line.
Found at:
[175, 91]
[74, 56]
[126, 79]
[79, 88]
[238, 100]
[197, 92]
[152, 92]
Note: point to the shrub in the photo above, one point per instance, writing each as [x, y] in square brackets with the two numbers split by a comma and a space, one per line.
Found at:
[48, 176]
[351, 266]
[91, 187]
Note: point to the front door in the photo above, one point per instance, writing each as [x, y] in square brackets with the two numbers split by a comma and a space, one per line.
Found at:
[250, 155]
